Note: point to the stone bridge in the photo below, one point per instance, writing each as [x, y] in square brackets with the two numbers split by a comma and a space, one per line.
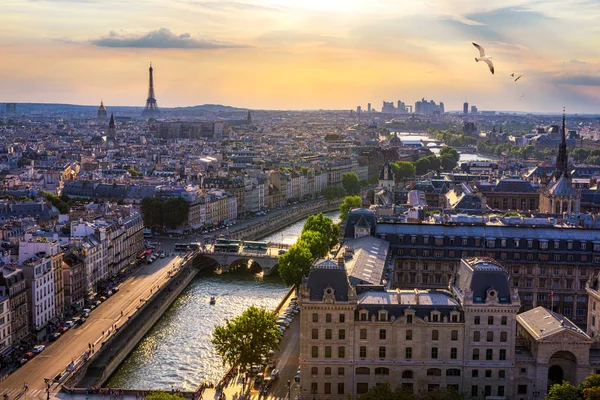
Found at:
[266, 259]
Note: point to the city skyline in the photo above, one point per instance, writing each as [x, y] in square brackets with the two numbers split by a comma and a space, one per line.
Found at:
[301, 55]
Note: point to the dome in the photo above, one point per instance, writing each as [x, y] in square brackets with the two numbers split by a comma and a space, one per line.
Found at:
[101, 108]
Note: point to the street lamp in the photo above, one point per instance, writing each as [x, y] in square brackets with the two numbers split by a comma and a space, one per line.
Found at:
[289, 388]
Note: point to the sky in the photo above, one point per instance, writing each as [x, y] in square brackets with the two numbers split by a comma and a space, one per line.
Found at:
[303, 54]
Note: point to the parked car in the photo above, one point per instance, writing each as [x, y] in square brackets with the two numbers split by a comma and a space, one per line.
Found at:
[39, 348]
[29, 355]
[297, 377]
[115, 289]
[86, 311]
[259, 378]
[85, 315]
[272, 364]
[54, 336]
[275, 374]
[102, 298]
[22, 361]
[63, 329]
[69, 324]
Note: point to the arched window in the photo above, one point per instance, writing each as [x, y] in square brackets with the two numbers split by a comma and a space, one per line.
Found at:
[363, 371]
[382, 371]
[453, 372]
[327, 371]
[408, 374]
[434, 372]
[314, 371]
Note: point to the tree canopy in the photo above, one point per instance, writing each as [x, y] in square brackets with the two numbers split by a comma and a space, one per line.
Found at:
[563, 391]
[449, 157]
[316, 243]
[243, 340]
[351, 183]
[158, 213]
[403, 169]
[332, 192]
[134, 172]
[164, 396]
[56, 201]
[295, 263]
[324, 225]
[426, 164]
[349, 203]
[589, 389]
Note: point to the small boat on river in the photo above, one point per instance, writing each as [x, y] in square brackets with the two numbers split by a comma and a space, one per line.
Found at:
[213, 300]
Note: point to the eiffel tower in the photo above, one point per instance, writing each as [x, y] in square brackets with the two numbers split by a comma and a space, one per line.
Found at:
[151, 106]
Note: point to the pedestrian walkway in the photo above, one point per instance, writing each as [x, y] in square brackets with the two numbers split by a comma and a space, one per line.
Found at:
[20, 393]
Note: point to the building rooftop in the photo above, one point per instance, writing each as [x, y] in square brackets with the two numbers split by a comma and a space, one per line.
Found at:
[365, 259]
[542, 323]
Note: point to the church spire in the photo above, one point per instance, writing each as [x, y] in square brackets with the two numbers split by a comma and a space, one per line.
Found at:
[111, 124]
[562, 159]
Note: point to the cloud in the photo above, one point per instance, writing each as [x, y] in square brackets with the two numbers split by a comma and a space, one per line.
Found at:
[161, 38]
[578, 80]
[509, 17]
[233, 5]
[575, 61]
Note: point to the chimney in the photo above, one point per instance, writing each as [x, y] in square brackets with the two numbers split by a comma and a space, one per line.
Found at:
[398, 296]
[340, 261]
[417, 296]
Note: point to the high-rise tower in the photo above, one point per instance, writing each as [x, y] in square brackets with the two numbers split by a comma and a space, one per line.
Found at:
[151, 106]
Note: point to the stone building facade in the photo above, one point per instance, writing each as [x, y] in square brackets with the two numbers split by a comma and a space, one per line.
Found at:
[467, 337]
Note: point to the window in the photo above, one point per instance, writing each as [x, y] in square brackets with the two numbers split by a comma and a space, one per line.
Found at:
[327, 317]
[341, 352]
[314, 371]
[363, 316]
[382, 334]
[363, 334]
[488, 354]
[503, 321]
[501, 391]
[342, 334]
[434, 372]
[382, 371]
[341, 371]
[435, 334]
[475, 354]
[476, 320]
[490, 320]
[409, 334]
[475, 373]
[327, 388]
[490, 336]
[502, 354]
[522, 389]
[328, 334]
[409, 319]
[407, 375]
[315, 317]
[474, 391]
[434, 352]
[342, 318]
[503, 336]
[327, 351]
[315, 352]
[381, 351]
[454, 335]
[340, 387]
[476, 336]
[502, 374]
[453, 372]
[487, 390]
[408, 353]
[363, 371]
[327, 371]
[362, 351]
[488, 373]
[362, 388]
[453, 353]
[314, 387]
[315, 334]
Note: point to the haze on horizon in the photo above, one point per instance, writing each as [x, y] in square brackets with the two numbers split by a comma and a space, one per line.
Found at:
[302, 54]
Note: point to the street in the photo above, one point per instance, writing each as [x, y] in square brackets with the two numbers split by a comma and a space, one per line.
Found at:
[75, 341]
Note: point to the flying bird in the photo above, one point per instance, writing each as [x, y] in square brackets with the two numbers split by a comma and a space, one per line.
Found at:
[518, 77]
[484, 58]
[521, 98]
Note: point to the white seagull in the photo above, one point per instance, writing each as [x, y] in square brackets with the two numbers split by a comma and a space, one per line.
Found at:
[484, 58]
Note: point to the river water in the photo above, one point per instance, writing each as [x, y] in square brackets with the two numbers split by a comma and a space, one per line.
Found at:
[463, 156]
[177, 350]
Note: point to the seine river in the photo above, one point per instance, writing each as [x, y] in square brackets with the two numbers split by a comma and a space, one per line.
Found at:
[177, 350]
[463, 156]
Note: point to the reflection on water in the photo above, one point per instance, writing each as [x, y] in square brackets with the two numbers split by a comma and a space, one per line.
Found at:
[463, 156]
[177, 350]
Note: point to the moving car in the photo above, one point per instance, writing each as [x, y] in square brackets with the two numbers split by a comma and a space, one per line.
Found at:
[297, 377]
[275, 374]
[39, 348]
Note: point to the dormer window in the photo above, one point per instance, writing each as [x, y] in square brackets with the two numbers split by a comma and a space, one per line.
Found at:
[454, 316]
[543, 244]
[425, 239]
[435, 316]
[409, 316]
[364, 315]
[383, 315]
[516, 242]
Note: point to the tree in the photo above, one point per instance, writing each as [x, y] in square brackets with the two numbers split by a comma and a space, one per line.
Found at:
[316, 243]
[295, 264]
[324, 225]
[23, 161]
[333, 192]
[591, 393]
[563, 391]
[243, 340]
[351, 183]
[175, 212]
[383, 391]
[403, 169]
[350, 202]
[152, 212]
[449, 157]
[164, 396]
[442, 394]
[133, 172]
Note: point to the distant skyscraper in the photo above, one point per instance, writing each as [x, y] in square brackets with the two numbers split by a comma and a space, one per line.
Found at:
[358, 109]
[473, 109]
[101, 112]
[249, 119]
[442, 108]
[11, 108]
[151, 106]
[369, 107]
[465, 108]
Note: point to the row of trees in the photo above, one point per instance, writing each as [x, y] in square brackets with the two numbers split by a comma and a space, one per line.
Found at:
[170, 213]
[586, 156]
[589, 389]
[319, 235]
[514, 151]
[447, 161]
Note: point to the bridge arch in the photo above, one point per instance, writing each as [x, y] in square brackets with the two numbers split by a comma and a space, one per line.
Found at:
[254, 266]
[206, 262]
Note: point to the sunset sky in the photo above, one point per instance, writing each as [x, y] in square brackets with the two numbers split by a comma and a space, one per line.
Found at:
[302, 54]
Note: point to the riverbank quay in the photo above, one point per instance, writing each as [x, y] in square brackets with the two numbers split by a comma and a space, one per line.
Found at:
[102, 361]
[66, 353]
